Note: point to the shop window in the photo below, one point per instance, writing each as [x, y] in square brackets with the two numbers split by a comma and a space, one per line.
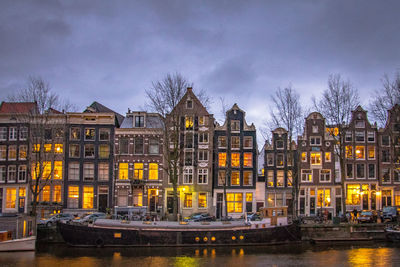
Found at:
[189, 123]
[221, 177]
[154, 147]
[123, 146]
[247, 160]
[73, 171]
[74, 151]
[153, 171]
[187, 203]
[325, 176]
[202, 203]
[221, 141]
[104, 151]
[270, 178]
[353, 194]
[324, 198]
[202, 176]
[315, 158]
[247, 178]
[46, 193]
[188, 176]
[89, 151]
[73, 197]
[248, 142]
[57, 193]
[103, 171]
[123, 170]
[234, 202]
[58, 170]
[11, 197]
[104, 134]
[306, 175]
[328, 157]
[235, 178]
[88, 172]
[235, 142]
[88, 197]
[235, 160]
[280, 179]
[138, 145]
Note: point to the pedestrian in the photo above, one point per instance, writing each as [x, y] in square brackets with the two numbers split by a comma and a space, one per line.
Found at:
[355, 215]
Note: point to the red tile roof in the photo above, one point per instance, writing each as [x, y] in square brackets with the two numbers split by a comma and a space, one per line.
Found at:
[17, 107]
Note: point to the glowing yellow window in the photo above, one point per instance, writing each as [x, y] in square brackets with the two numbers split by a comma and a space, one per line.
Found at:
[235, 202]
[34, 171]
[138, 172]
[349, 152]
[289, 178]
[46, 170]
[304, 156]
[247, 160]
[332, 131]
[235, 179]
[324, 197]
[202, 200]
[153, 171]
[189, 122]
[57, 193]
[222, 159]
[58, 169]
[88, 197]
[11, 198]
[58, 148]
[360, 152]
[371, 152]
[47, 147]
[249, 197]
[353, 194]
[36, 147]
[46, 193]
[73, 196]
[123, 171]
[235, 159]
[22, 192]
[327, 156]
[315, 158]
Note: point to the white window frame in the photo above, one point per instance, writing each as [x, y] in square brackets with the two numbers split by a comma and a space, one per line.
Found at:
[73, 175]
[15, 173]
[322, 176]
[306, 172]
[12, 133]
[315, 138]
[201, 138]
[188, 175]
[202, 176]
[21, 171]
[3, 134]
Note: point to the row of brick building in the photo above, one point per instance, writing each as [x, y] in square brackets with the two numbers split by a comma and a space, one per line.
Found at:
[103, 160]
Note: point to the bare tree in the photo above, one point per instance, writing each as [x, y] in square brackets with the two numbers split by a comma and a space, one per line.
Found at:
[164, 97]
[45, 138]
[287, 112]
[336, 105]
[385, 98]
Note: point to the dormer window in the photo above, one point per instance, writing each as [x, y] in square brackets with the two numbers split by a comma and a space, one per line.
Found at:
[360, 124]
[235, 125]
[139, 121]
[315, 129]
[189, 104]
[315, 141]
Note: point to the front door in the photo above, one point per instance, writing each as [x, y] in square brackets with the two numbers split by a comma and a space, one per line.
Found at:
[220, 201]
[312, 205]
[103, 202]
[373, 200]
[365, 201]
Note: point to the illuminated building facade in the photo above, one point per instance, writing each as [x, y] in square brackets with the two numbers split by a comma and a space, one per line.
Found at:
[139, 166]
[235, 165]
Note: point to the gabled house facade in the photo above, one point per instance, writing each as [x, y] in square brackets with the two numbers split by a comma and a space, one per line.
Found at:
[235, 165]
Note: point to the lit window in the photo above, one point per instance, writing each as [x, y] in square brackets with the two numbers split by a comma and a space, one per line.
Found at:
[46, 170]
[89, 134]
[103, 171]
[222, 159]
[123, 171]
[87, 197]
[73, 197]
[221, 141]
[153, 171]
[324, 198]
[327, 156]
[235, 202]
[46, 193]
[353, 194]
[58, 170]
[235, 158]
[270, 178]
[12, 152]
[47, 148]
[332, 131]
[202, 200]
[325, 176]
[104, 151]
[202, 120]
[3, 152]
[247, 178]
[11, 197]
[306, 175]
[187, 203]
[248, 160]
[249, 197]
[235, 178]
[289, 178]
[189, 123]
[360, 152]
[57, 193]
[315, 158]
[371, 152]
[88, 172]
[221, 177]
[280, 179]
[349, 152]
[235, 142]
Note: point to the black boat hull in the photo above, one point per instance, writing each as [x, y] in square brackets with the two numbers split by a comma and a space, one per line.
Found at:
[80, 235]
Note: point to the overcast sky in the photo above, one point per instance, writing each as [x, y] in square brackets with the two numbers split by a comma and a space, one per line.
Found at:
[111, 51]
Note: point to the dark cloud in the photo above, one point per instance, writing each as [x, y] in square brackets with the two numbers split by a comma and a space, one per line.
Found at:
[111, 51]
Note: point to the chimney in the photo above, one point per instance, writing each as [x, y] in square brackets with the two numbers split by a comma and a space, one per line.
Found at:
[189, 89]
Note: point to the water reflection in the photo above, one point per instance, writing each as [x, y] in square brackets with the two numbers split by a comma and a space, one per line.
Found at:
[294, 255]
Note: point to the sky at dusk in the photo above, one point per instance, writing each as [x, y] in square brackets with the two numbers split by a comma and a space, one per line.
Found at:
[111, 51]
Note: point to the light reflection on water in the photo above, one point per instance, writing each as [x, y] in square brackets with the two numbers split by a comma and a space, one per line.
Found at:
[294, 255]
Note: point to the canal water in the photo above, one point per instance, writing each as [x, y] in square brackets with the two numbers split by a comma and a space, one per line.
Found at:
[381, 254]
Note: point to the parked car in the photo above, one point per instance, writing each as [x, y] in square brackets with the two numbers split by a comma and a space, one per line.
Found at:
[367, 216]
[199, 217]
[56, 218]
[390, 213]
[91, 217]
